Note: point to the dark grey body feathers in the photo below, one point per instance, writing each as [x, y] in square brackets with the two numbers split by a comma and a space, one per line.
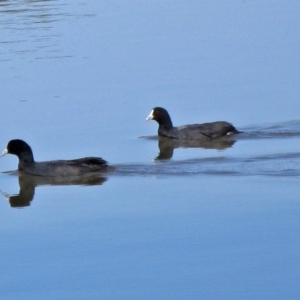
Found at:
[55, 168]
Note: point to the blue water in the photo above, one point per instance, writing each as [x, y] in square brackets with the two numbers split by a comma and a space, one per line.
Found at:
[173, 221]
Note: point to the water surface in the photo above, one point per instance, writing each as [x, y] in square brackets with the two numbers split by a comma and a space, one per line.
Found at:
[174, 221]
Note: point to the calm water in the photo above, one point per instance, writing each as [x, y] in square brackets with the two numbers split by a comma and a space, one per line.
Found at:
[174, 221]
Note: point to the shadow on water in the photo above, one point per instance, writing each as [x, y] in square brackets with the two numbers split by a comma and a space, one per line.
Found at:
[28, 184]
[166, 146]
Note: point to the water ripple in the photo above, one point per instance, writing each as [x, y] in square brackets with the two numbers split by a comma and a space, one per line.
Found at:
[39, 22]
[281, 164]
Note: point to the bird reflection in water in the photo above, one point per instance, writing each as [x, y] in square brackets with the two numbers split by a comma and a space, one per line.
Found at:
[28, 183]
[166, 146]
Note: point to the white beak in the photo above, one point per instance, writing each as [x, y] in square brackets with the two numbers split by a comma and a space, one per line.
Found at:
[150, 117]
[4, 152]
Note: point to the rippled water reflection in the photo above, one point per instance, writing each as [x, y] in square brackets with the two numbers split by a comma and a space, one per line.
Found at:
[28, 31]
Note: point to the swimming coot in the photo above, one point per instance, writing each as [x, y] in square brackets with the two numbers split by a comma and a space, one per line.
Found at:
[57, 168]
[189, 132]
